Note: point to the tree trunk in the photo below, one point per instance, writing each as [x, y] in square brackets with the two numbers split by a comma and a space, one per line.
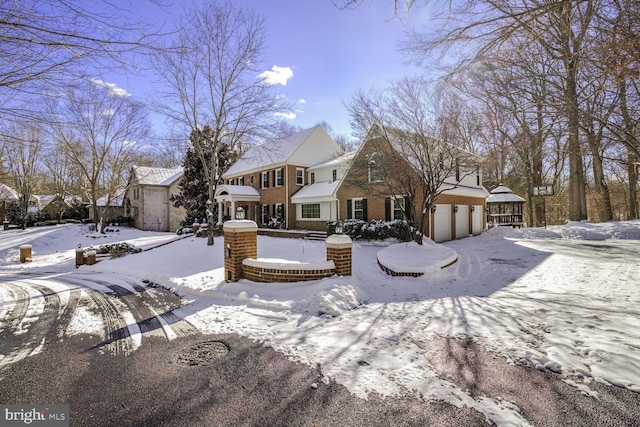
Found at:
[632, 170]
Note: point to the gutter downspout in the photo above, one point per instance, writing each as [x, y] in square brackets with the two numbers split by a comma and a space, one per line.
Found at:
[286, 197]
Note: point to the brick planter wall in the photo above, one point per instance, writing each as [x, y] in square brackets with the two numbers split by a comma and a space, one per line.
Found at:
[280, 273]
[240, 242]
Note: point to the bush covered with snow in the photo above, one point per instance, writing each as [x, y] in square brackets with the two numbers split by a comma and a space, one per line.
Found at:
[116, 250]
[374, 230]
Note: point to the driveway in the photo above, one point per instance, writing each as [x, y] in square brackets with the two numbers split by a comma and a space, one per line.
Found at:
[146, 366]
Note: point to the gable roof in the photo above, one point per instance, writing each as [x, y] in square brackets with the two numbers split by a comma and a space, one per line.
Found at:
[157, 176]
[8, 193]
[278, 151]
[340, 161]
[117, 200]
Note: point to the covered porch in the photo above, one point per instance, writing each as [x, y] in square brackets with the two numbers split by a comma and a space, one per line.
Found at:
[231, 197]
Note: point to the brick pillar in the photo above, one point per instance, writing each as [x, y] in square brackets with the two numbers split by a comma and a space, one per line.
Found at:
[240, 242]
[339, 251]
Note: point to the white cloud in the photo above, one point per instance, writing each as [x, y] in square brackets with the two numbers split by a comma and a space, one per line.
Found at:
[302, 101]
[277, 75]
[111, 87]
[288, 116]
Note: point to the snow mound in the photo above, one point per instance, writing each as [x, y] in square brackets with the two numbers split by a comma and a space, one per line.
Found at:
[411, 257]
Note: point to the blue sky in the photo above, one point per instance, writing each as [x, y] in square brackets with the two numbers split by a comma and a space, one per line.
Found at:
[326, 53]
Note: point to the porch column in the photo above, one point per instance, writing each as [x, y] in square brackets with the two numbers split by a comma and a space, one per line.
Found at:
[220, 208]
[233, 210]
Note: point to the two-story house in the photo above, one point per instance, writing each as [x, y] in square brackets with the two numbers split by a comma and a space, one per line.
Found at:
[148, 198]
[266, 178]
[386, 181]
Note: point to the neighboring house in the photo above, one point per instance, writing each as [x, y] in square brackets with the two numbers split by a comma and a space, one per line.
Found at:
[265, 180]
[7, 195]
[50, 205]
[116, 206]
[364, 193]
[148, 198]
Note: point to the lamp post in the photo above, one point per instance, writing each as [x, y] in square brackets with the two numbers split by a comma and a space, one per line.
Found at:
[240, 213]
[339, 228]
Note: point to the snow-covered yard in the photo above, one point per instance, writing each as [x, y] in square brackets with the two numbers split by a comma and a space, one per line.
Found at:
[565, 298]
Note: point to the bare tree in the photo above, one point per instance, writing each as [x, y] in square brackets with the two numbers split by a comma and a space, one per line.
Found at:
[410, 128]
[47, 43]
[211, 77]
[22, 161]
[102, 132]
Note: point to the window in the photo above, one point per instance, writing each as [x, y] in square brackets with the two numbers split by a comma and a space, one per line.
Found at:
[231, 181]
[311, 211]
[478, 177]
[376, 173]
[312, 178]
[299, 176]
[358, 209]
[277, 178]
[264, 179]
[334, 175]
[241, 180]
[398, 207]
[264, 214]
[251, 180]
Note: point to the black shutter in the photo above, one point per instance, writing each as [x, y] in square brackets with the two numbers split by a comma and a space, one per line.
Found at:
[349, 210]
[364, 210]
[275, 182]
[266, 184]
[387, 209]
[408, 214]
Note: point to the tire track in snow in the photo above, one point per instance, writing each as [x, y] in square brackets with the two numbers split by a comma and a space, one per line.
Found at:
[36, 315]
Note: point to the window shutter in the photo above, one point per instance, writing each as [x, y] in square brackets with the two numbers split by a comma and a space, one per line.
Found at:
[266, 184]
[408, 214]
[364, 210]
[273, 174]
[387, 209]
[349, 209]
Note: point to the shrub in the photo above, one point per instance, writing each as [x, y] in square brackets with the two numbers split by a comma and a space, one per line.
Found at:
[116, 250]
[375, 230]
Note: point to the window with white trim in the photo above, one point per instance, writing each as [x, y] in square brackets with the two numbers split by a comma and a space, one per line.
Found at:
[311, 211]
[334, 175]
[279, 181]
[264, 179]
[312, 178]
[299, 176]
[264, 214]
[241, 180]
[398, 205]
[358, 209]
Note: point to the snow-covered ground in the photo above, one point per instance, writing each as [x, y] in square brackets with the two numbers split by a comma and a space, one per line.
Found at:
[565, 298]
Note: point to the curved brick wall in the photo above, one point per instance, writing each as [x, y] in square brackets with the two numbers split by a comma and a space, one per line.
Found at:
[259, 272]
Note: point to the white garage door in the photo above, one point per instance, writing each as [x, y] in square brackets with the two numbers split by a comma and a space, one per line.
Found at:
[462, 221]
[442, 223]
[476, 218]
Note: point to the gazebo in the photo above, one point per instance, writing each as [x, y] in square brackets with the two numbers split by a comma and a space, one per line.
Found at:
[504, 208]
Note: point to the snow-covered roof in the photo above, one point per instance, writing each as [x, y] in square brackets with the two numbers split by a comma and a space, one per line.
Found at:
[117, 200]
[157, 176]
[278, 151]
[317, 192]
[502, 194]
[463, 190]
[338, 161]
[8, 193]
[237, 192]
